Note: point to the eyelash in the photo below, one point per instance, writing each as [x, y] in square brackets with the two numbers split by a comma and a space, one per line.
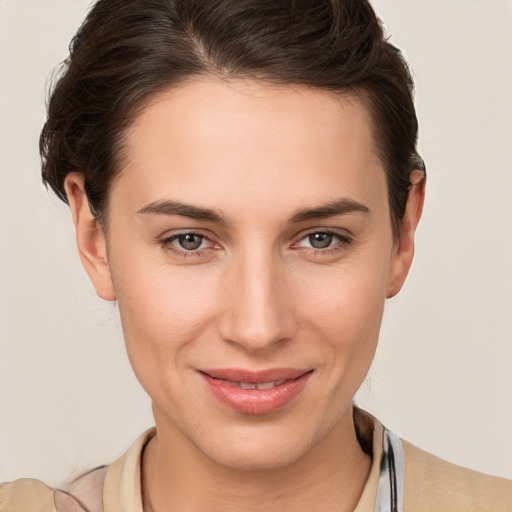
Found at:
[343, 241]
[167, 244]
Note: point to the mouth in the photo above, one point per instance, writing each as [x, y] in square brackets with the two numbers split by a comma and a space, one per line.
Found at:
[256, 393]
[252, 385]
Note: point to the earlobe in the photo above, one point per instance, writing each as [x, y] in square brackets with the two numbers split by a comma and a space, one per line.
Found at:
[404, 247]
[90, 238]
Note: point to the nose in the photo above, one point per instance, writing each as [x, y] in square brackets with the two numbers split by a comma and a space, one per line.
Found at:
[258, 313]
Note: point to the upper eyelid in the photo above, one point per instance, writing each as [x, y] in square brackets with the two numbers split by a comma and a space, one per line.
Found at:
[181, 232]
[172, 238]
[342, 233]
[184, 233]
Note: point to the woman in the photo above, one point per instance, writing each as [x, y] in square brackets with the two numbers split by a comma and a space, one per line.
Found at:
[244, 182]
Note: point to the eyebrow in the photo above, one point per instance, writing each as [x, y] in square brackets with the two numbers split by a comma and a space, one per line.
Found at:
[339, 207]
[183, 210]
[331, 209]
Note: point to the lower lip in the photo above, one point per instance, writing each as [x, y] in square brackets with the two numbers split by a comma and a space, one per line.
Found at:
[256, 401]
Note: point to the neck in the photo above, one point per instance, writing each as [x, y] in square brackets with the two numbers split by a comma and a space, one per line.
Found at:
[178, 477]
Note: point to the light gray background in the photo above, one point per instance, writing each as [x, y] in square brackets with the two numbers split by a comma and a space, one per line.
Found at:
[442, 376]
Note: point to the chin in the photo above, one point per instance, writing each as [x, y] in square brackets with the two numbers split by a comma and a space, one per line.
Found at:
[260, 459]
[257, 449]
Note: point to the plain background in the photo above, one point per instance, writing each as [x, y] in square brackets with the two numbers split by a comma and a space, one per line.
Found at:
[442, 376]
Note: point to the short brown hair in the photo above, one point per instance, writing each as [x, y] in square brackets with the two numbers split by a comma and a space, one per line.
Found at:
[127, 50]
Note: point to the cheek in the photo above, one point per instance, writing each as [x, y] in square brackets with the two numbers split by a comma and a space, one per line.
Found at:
[348, 299]
[163, 310]
[343, 308]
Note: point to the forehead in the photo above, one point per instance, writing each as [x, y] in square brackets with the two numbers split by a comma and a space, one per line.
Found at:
[247, 142]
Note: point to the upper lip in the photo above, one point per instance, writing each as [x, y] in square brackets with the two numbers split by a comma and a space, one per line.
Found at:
[255, 377]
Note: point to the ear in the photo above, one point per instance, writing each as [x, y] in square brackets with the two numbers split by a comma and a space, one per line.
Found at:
[90, 238]
[403, 251]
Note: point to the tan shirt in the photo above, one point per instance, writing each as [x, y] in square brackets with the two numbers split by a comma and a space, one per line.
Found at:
[431, 485]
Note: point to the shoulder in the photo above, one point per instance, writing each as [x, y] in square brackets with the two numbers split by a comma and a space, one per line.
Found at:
[27, 494]
[435, 485]
[116, 485]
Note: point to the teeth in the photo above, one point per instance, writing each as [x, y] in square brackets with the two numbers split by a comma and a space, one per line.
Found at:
[266, 385]
[250, 385]
[246, 385]
[262, 385]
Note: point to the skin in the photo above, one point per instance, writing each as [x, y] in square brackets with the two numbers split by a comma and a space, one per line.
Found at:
[256, 294]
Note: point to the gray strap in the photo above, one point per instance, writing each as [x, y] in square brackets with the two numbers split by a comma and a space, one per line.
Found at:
[390, 489]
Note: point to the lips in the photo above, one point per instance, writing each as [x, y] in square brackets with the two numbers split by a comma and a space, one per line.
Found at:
[256, 393]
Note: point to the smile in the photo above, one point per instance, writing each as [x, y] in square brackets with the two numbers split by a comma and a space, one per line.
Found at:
[256, 393]
[251, 385]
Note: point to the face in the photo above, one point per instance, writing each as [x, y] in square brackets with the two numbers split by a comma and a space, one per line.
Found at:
[251, 252]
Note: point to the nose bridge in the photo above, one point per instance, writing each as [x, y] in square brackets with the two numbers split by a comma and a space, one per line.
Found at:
[259, 309]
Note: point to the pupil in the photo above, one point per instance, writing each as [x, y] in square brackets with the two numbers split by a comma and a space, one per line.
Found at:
[320, 240]
[190, 242]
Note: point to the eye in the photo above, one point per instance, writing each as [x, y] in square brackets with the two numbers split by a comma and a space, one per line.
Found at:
[187, 244]
[320, 240]
[189, 241]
